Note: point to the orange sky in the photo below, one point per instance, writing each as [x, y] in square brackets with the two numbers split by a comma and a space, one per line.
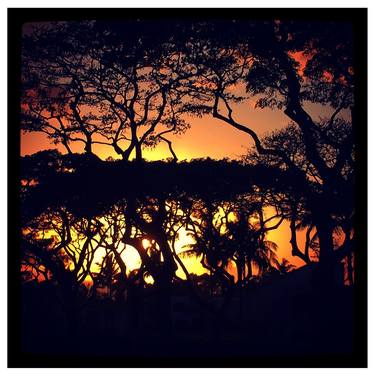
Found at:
[207, 137]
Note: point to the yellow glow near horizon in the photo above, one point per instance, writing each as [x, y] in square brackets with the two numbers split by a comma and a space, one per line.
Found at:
[281, 236]
[192, 264]
[132, 259]
[146, 243]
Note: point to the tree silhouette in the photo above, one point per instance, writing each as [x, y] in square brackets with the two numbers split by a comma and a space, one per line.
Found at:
[264, 59]
[299, 209]
[223, 233]
[83, 83]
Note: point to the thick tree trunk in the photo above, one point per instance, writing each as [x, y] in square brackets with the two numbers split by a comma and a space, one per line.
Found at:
[326, 270]
[240, 265]
[88, 144]
[138, 152]
[164, 283]
[239, 271]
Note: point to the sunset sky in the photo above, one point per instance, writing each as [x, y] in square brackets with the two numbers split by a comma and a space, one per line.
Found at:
[208, 137]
